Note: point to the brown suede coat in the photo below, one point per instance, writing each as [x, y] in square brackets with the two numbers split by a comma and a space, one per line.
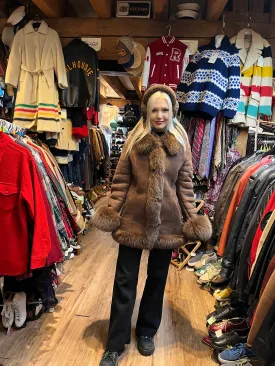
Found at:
[152, 196]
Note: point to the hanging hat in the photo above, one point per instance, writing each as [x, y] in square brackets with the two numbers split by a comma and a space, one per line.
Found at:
[164, 89]
[189, 6]
[124, 49]
[8, 36]
[130, 63]
[139, 59]
[187, 14]
[17, 15]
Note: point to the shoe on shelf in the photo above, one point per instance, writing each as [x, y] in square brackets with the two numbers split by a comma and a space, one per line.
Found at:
[229, 340]
[146, 345]
[211, 273]
[110, 358]
[223, 295]
[237, 353]
[228, 325]
[189, 269]
[206, 258]
[227, 312]
[243, 362]
[20, 309]
[202, 270]
[196, 259]
[7, 312]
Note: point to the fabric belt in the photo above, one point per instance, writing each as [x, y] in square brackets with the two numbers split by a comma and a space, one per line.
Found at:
[35, 77]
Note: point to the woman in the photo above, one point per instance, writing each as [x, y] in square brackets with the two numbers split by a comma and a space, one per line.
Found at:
[152, 193]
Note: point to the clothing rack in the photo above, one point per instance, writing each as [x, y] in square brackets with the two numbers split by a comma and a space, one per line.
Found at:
[11, 128]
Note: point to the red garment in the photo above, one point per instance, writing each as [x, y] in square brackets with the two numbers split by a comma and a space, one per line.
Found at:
[164, 64]
[239, 190]
[22, 211]
[269, 208]
[92, 115]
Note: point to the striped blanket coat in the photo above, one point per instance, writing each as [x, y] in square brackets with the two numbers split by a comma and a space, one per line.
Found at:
[36, 58]
[256, 78]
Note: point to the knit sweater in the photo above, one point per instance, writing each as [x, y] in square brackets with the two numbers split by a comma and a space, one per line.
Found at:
[211, 82]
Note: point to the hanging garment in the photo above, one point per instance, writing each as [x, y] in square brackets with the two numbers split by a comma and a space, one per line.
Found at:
[82, 74]
[66, 140]
[22, 211]
[165, 63]
[202, 169]
[236, 201]
[197, 143]
[211, 82]
[36, 58]
[211, 146]
[256, 78]
[215, 188]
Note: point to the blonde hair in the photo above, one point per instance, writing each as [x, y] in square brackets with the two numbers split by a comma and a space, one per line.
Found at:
[142, 129]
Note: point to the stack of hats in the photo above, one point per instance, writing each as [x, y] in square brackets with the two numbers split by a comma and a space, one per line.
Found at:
[188, 10]
[131, 55]
[15, 21]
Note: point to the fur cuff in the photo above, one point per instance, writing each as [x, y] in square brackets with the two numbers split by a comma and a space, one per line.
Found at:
[106, 219]
[197, 228]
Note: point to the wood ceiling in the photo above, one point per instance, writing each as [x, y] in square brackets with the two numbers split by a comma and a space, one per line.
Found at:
[96, 18]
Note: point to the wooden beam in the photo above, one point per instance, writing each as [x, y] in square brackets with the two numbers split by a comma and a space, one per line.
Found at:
[161, 9]
[240, 6]
[272, 12]
[102, 92]
[51, 8]
[257, 6]
[215, 9]
[115, 84]
[102, 8]
[136, 84]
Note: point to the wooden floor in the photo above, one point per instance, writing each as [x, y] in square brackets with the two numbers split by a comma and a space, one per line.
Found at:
[75, 334]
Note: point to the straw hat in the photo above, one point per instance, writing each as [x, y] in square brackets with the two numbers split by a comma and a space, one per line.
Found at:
[16, 16]
[139, 59]
[8, 36]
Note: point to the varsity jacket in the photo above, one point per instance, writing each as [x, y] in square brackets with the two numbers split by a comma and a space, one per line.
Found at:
[256, 78]
[211, 82]
[165, 63]
[82, 74]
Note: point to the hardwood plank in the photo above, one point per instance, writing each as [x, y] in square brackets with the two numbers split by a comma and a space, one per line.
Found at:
[103, 8]
[161, 9]
[75, 334]
[215, 9]
[240, 5]
[272, 13]
[257, 5]
[242, 17]
[51, 8]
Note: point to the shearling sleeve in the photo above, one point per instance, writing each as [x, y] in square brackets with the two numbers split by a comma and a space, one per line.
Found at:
[195, 227]
[107, 218]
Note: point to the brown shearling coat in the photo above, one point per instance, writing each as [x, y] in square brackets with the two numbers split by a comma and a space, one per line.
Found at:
[152, 195]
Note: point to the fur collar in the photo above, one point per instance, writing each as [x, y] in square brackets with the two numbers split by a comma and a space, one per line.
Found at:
[151, 141]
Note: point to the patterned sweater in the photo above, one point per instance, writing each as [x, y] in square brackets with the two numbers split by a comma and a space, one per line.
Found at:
[211, 82]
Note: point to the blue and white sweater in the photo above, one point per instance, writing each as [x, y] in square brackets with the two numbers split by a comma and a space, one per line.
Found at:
[211, 82]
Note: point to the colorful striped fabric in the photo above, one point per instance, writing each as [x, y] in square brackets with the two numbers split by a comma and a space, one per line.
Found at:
[42, 111]
[256, 79]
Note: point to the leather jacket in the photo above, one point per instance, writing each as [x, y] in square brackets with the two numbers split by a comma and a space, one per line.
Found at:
[243, 215]
[82, 74]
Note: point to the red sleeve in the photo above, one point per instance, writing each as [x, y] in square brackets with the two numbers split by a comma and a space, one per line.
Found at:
[32, 194]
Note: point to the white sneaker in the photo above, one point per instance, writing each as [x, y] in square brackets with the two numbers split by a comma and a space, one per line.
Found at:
[7, 314]
[206, 258]
[20, 311]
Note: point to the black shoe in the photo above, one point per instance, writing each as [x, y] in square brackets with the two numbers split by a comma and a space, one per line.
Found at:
[229, 340]
[110, 358]
[146, 346]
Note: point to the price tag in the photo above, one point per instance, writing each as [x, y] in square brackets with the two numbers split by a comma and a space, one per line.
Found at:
[63, 113]
[213, 58]
[211, 320]
[218, 333]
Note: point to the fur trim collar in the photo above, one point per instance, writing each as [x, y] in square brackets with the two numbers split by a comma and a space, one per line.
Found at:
[152, 141]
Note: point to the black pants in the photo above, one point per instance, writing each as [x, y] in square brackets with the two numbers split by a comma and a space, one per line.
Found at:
[124, 295]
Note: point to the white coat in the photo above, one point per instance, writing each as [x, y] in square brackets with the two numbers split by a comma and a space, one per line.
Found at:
[35, 58]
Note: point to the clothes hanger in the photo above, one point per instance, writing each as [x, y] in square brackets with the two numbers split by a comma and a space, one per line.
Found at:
[169, 31]
[248, 29]
[36, 24]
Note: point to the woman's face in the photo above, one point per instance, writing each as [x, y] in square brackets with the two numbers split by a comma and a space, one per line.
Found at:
[160, 115]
